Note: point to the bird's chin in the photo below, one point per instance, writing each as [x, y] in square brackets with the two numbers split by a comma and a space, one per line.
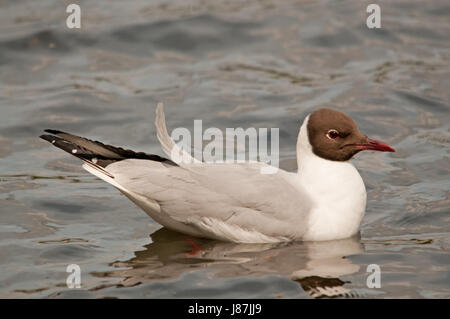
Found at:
[353, 153]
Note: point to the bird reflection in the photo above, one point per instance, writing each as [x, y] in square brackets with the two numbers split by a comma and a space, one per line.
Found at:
[316, 266]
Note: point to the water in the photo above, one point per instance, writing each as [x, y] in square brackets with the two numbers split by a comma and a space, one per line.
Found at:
[231, 64]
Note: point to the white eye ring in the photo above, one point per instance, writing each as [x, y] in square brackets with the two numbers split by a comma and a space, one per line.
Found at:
[333, 134]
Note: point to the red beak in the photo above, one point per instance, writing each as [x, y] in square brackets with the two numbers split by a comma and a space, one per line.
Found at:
[374, 145]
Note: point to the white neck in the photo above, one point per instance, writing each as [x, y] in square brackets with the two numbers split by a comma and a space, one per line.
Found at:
[336, 188]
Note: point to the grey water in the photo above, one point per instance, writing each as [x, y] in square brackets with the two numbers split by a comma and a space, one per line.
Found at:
[232, 64]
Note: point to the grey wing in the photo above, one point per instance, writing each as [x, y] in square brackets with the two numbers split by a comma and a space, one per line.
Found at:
[227, 200]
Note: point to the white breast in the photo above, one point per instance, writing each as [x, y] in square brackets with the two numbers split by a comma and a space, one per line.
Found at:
[339, 198]
[336, 189]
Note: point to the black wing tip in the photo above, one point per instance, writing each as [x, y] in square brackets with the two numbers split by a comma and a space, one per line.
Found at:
[85, 153]
[48, 138]
[55, 132]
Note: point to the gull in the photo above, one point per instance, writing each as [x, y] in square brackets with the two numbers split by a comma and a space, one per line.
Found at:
[324, 200]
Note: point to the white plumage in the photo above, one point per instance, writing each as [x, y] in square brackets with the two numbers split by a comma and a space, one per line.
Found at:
[324, 200]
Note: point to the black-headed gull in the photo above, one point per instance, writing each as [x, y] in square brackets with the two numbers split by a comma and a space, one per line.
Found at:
[324, 200]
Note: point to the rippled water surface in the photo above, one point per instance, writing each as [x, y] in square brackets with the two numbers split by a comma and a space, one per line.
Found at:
[232, 64]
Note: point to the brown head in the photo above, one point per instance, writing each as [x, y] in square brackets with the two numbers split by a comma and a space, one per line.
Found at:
[333, 135]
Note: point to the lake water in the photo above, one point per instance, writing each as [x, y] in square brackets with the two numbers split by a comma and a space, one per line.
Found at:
[232, 64]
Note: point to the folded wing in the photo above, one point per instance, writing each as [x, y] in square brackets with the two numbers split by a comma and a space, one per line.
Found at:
[225, 201]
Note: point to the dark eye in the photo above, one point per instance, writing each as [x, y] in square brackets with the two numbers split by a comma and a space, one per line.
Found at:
[333, 134]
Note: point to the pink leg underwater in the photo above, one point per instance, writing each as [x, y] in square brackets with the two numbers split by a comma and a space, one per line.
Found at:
[195, 249]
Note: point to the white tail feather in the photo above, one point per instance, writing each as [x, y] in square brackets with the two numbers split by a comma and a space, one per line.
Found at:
[148, 205]
[109, 178]
[175, 153]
